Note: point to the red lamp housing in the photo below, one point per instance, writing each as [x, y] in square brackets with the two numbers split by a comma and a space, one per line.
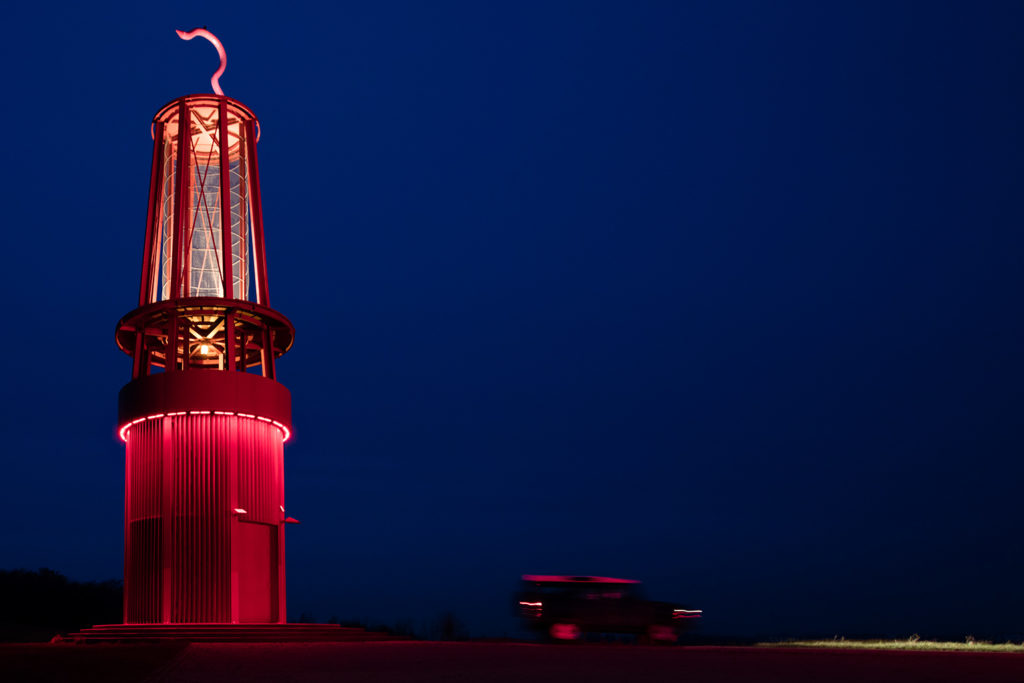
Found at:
[203, 418]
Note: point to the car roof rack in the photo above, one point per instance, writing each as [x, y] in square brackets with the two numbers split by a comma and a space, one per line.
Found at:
[549, 578]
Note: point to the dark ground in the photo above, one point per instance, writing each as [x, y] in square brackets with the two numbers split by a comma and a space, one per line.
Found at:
[43, 663]
[495, 662]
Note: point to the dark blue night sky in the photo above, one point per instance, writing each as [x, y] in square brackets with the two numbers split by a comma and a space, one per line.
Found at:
[726, 298]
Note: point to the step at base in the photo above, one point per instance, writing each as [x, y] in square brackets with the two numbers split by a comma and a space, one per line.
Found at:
[223, 633]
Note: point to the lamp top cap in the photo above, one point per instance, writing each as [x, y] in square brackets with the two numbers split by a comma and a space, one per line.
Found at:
[169, 111]
[203, 99]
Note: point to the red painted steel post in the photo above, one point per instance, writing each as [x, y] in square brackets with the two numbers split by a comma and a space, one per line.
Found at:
[268, 354]
[186, 341]
[225, 200]
[180, 193]
[127, 535]
[243, 362]
[166, 514]
[259, 250]
[151, 215]
[282, 609]
[185, 247]
[138, 355]
[234, 549]
[229, 341]
[171, 352]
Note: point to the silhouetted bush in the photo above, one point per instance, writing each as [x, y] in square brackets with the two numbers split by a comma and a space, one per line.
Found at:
[450, 628]
[405, 628]
[35, 605]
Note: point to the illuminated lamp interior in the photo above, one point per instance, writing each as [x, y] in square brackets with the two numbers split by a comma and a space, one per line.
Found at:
[204, 203]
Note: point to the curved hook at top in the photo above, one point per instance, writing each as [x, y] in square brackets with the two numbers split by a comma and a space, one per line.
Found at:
[215, 79]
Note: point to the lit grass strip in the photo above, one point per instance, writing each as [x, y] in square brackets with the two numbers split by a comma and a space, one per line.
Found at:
[912, 643]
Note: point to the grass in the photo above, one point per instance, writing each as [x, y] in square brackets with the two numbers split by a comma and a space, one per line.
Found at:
[911, 643]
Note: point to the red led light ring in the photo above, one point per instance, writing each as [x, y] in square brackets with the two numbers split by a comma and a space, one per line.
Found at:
[123, 431]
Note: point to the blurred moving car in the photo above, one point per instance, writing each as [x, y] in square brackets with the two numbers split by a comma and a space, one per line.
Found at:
[567, 607]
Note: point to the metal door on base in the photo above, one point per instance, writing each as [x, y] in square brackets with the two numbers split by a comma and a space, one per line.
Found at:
[257, 573]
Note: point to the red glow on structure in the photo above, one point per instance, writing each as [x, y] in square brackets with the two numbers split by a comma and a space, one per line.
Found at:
[215, 79]
[204, 418]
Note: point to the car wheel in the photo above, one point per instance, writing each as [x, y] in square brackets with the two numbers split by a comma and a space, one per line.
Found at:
[659, 633]
[565, 632]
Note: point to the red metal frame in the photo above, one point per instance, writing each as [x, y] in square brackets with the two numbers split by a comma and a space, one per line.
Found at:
[146, 284]
[180, 193]
[259, 251]
[225, 200]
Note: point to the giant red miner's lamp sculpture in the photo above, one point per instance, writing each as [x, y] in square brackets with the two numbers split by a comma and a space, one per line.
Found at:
[204, 419]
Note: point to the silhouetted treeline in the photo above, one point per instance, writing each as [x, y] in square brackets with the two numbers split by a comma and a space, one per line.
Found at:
[404, 628]
[445, 627]
[35, 605]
